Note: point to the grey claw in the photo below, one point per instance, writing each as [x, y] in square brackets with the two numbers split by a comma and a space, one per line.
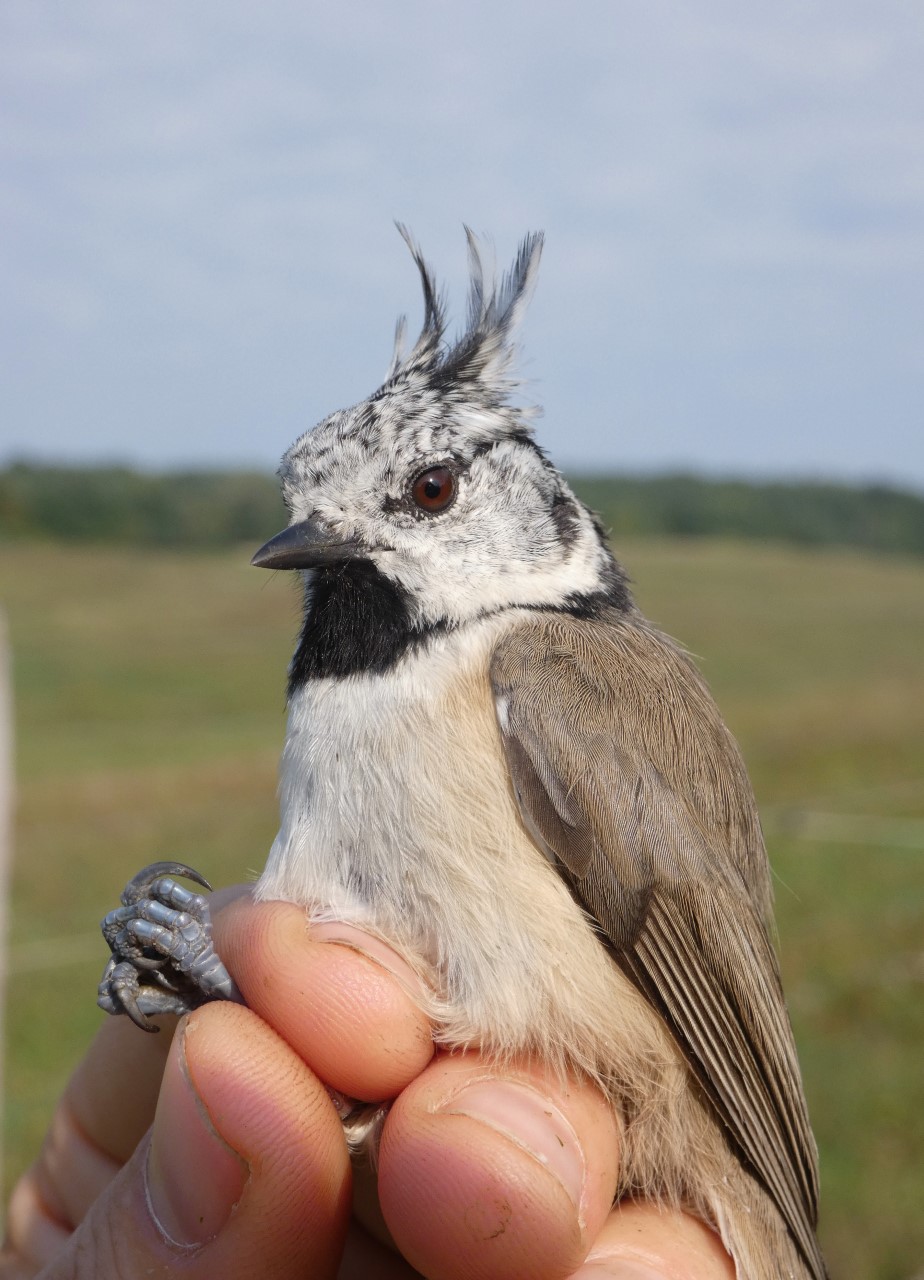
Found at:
[118, 993]
[163, 959]
[139, 886]
[130, 1006]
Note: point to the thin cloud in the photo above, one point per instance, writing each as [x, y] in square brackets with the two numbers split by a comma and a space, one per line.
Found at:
[198, 200]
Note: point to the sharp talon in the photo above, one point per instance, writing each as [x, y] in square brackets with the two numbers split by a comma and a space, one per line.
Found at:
[141, 1021]
[158, 977]
[131, 1008]
[137, 887]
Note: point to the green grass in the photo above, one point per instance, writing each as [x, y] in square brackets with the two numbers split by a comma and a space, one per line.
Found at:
[149, 696]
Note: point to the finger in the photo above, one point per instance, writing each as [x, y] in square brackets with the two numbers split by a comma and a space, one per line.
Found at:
[349, 1014]
[112, 1095]
[246, 1173]
[489, 1171]
[648, 1242]
[110, 1099]
[105, 1111]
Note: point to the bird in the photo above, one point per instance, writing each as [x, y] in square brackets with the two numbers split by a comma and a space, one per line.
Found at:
[496, 763]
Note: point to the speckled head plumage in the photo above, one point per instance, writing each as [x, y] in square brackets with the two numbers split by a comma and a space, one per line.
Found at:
[512, 534]
[439, 396]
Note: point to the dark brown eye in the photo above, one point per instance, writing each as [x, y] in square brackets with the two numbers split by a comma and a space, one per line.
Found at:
[433, 490]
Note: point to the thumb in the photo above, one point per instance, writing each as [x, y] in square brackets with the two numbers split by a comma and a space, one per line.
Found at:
[245, 1172]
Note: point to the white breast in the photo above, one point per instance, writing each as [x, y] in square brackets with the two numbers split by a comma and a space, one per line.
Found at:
[398, 815]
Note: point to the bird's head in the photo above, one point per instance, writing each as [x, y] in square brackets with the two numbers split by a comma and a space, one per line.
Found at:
[431, 497]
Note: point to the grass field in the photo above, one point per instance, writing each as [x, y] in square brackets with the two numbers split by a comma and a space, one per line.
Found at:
[149, 694]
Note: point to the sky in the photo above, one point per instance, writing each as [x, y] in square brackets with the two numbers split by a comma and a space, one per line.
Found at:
[198, 259]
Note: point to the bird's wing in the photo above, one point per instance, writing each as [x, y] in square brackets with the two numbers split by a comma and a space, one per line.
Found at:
[624, 770]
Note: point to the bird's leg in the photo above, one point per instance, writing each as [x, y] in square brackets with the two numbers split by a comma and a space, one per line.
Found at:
[163, 959]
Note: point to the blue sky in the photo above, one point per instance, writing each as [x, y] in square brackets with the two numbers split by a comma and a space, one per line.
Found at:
[197, 256]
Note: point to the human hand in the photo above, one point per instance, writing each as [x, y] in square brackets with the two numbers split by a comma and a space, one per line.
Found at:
[484, 1171]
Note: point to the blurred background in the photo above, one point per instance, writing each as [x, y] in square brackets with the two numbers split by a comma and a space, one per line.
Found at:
[198, 262]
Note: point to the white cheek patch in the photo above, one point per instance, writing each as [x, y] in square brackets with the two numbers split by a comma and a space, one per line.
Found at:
[458, 581]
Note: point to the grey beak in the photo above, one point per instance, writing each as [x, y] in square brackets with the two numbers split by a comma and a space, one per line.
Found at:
[307, 545]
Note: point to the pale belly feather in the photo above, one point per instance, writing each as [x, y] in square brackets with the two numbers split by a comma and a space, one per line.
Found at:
[398, 815]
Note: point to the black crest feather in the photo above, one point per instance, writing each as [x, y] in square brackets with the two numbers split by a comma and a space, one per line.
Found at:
[483, 354]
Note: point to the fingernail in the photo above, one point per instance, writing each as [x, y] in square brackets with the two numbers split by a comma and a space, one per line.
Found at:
[372, 948]
[532, 1121]
[194, 1179]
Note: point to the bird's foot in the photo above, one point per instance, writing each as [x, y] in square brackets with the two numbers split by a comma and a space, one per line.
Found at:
[163, 959]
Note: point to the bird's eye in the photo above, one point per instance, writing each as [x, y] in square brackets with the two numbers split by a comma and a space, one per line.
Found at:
[434, 490]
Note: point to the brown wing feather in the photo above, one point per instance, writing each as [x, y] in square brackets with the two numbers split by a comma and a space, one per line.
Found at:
[626, 773]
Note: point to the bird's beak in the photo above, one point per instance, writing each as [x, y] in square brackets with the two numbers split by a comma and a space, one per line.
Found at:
[307, 545]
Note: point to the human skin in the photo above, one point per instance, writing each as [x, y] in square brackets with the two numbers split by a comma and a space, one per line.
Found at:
[217, 1150]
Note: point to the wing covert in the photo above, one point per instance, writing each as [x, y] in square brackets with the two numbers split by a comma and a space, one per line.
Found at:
[628, 778]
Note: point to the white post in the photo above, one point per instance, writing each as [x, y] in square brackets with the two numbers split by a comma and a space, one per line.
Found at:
[6, 846]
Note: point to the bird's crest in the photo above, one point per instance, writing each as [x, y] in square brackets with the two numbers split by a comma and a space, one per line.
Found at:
[480, 359]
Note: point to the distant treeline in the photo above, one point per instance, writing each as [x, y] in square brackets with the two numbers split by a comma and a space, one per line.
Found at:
[116, 504]
[876, 517]
[215, 508]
